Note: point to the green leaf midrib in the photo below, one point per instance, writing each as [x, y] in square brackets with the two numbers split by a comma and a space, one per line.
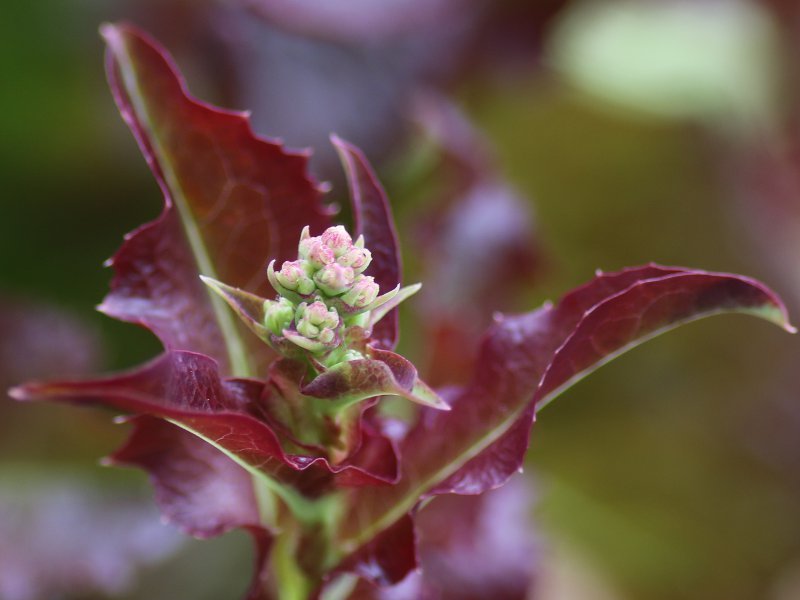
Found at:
[407, 501]
[239, 362]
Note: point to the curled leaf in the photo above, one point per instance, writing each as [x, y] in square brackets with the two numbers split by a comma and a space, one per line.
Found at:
[248, 307]
[528, 359]
[386, 374]
[187, 389]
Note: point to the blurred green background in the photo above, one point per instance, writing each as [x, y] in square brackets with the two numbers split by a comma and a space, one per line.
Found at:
[673, 472]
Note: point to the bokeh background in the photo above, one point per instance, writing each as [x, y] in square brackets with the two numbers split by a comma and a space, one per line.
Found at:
[562, 136]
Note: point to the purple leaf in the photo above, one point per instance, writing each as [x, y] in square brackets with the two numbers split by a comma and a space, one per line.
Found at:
[470, 547]
[198, 489]
[233, 201]
[474, 547]
[388, 557]
[527, 359]
[186, 388]
[373, 219]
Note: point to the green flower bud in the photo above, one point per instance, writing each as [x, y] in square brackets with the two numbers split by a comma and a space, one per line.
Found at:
[363, 292]
[315, 322]
[293, 277]
[278, 315]
[357, 258]
[334, 279]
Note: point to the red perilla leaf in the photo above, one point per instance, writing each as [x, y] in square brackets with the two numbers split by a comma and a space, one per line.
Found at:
[186, 388]
[198, 488]
[523, 362]
[196, 475]
[373, 219]
[241, 201]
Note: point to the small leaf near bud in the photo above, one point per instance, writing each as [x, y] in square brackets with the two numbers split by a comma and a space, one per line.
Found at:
[334, 279]
[363, 292]
[278, 315]
[357, 258]
[293, 277]
[304, 342]
[337, 239]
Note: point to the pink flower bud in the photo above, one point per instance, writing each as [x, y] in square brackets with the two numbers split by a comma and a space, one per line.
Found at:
[337, 239]
[316, 252]
[358, 258]
[293, 276]
[334, 279]
[363, 292]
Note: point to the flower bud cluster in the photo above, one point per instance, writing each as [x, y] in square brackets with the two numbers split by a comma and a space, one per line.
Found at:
[328, 272]
[330, 265]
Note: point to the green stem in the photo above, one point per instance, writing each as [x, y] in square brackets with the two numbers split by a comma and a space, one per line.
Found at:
[290, 580]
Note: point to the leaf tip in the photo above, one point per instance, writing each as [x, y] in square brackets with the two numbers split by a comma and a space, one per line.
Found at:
[345, 149]
[107, 31]
[336, 140]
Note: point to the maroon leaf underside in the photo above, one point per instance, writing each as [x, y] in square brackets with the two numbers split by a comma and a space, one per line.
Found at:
[198, 488]
[373, 219]
[186, 388]
[247, 198]
[522, 361]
